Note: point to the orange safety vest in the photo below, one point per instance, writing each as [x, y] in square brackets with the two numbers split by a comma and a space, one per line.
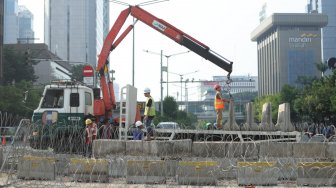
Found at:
[218, 103]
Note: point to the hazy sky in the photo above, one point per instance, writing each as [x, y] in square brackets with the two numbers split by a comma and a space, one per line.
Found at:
[223, 25]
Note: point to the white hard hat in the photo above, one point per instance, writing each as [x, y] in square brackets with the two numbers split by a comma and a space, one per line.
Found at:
[146, 90]
[138, 124]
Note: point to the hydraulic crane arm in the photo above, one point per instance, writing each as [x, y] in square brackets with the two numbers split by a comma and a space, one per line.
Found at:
[161, 26]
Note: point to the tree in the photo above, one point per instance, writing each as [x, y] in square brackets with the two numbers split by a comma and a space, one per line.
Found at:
[317, 102]
[289, 94]
[77, 72]
[16, 68]
[20, 99]
[170, 107]
[171, 113]
[322, 67]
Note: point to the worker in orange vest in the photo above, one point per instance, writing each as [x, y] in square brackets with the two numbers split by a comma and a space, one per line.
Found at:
[91, 134]
[219, 104]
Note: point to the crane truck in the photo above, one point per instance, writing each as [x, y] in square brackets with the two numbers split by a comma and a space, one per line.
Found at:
[58, 122]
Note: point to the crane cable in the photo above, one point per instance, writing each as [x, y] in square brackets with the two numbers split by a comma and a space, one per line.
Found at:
[228, 85]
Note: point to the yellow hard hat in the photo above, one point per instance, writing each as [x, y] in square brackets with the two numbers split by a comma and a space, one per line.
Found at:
[88, 121]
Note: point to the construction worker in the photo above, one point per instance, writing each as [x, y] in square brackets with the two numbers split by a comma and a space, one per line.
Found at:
[149, 114]
[219, 104]
[138, 134]
[91, 133]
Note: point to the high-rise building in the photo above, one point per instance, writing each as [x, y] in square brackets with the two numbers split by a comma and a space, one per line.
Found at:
[25, 19]
[74, 30]
[106, 17]
[327, 7]
[11, 31]
[289, 46]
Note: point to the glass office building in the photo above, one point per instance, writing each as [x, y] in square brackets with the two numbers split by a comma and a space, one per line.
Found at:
[289, 46]
[11, 32]
[327, 7]
[74, 30]
[25, 20]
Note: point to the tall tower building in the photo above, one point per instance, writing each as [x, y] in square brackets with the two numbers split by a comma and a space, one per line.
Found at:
[74, 29]
[26, 20]
[11, 22]
[289, 46]
[327, 7]
[106, 17]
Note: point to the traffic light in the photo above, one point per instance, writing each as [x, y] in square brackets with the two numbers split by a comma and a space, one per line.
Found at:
[27, 56]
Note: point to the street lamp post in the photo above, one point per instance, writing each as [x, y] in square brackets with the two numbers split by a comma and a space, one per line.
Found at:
[167, 57]
[161, 79]
[134, 21]
[186, 95]
[181, 79]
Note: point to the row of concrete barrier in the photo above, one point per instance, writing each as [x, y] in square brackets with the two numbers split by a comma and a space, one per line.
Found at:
[187, 171]
[187, 148]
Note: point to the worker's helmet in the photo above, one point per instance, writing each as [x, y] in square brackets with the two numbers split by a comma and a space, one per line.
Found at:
[138, 124]
[146, 90]
[208, 125]
[217, 87]
[88, 121]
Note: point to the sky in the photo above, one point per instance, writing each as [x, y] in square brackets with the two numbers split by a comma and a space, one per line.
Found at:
[223, 25]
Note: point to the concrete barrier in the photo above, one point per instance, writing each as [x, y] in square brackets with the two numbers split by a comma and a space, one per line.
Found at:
[227, 167]
[231, 124]
[316, 174]
[134, 147]
[173, 148]
[89, 170]
[266, 118]
[276, 149]
[197, 172]
[146, 172]
[283, 123]
[250, 124]
[208, 149]
[309, 150]
[104, 147]
[39, 168]
[331, 151]
[118, 163]
[246, 150]
[257, 173]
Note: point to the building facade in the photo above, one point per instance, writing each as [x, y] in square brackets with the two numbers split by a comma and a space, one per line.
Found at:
[11, 31]
[74, 30]
[25, 25]
[327, 7]
[49, 67]
[288, 46]
[239, 84]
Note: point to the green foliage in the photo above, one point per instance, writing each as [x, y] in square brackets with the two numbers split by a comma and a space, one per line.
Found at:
[170, 107]
[171, 113]
[322, 67]
[13, 98]
[318, 101]
[77, 72]
[260, 101]
[289, 94]
[16, 68]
